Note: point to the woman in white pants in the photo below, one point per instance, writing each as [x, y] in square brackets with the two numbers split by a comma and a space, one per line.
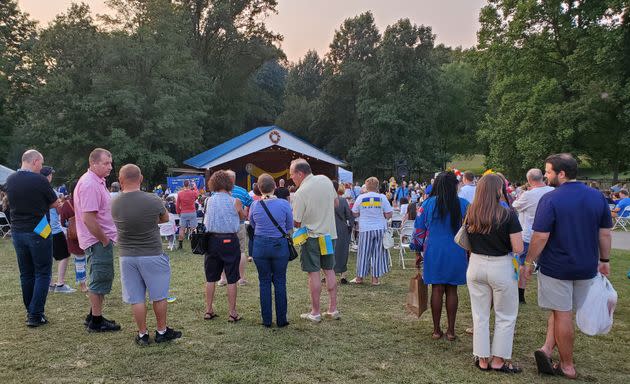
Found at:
[494, 232]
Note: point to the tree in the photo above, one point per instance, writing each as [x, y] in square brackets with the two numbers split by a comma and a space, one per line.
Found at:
[17, 75]
[556, 74]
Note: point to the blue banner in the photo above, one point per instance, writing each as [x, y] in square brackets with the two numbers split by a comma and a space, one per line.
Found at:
[177, 183]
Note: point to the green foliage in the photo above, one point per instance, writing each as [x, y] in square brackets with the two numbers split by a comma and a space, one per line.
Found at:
[155, 83]
[17, 74]
[558, 81]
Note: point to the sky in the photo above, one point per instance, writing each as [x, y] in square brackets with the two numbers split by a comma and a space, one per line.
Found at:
[311, 24]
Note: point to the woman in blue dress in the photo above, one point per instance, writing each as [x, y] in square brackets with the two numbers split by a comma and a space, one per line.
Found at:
[445, 262]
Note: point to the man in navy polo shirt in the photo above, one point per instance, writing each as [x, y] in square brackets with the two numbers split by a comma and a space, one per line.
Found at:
[571, 243]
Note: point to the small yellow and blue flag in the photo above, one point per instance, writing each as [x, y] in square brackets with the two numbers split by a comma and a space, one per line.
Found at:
[300, 235]
[326, 245]
[43, 228]
[515, 264]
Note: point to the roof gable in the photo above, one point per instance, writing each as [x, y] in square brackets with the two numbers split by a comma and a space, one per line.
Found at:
[253, 141]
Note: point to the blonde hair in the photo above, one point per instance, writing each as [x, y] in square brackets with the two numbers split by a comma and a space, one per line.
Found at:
[371, 184]
[341, 190]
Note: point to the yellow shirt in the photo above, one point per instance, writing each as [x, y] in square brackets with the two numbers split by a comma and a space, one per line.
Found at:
[314, 206]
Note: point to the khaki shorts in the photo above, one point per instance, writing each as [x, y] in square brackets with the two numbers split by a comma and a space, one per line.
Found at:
[311, 258]
[242, 237]
[561, 295]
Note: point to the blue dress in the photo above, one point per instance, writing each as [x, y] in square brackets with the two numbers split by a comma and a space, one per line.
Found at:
[444, 261]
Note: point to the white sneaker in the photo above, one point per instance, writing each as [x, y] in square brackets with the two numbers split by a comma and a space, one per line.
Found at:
[222, 283]
[64, 289]
[314, 318]
[333, 315]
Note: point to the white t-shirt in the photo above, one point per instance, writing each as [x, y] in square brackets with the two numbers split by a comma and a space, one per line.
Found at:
[467, 192]
[526, 206]
[370, 206]
[403, 209]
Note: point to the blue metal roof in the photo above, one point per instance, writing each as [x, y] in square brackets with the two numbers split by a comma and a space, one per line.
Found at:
[214, 153]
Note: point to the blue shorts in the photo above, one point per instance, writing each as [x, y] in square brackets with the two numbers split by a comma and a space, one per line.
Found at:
[521, 257]
[141, 273]
[188, 220]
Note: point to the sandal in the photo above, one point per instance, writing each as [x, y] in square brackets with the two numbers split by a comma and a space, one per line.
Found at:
[209, 315]
[451, 337]
[507, 368]
[487, 368]
[234, 319]
[437, 336]
[356, 281]
[544, 363]
[557, 371]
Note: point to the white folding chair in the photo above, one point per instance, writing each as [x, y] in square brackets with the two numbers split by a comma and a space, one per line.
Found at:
[623, 219]
[406, 236]
[5, 226]
[168, 230]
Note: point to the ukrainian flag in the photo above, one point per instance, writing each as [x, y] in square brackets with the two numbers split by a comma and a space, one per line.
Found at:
[515, 265]
[326, 245]
[43, 228]
[300, 235]
[371, 202]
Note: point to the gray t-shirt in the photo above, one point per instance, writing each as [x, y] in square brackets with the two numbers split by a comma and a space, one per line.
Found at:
[136, 217]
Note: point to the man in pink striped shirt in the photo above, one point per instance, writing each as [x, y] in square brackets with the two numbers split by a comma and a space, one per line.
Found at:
[97, 234]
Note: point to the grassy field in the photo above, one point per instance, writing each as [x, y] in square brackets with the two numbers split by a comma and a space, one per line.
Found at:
[376, 340]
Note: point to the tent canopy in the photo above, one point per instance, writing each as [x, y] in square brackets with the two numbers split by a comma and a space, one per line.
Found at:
[345, 176]
[4, 173]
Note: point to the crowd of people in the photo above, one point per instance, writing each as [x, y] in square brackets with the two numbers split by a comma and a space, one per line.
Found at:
[560, 228]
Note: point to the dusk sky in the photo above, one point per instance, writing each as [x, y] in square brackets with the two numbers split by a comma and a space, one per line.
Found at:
[310, 24]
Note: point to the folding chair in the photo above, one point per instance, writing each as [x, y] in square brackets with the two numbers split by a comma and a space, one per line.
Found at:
[406, 236]
[168, 230]
[5, 226]
[623, 219]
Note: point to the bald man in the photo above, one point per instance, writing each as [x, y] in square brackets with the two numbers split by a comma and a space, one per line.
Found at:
[30, 197]
[143, 265]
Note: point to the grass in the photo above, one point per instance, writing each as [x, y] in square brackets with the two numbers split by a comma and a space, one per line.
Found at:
[375, 341]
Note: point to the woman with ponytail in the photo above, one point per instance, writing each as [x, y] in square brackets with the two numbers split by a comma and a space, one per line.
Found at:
[445, 262]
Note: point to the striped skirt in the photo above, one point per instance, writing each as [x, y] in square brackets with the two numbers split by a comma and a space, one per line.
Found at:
[372, 257]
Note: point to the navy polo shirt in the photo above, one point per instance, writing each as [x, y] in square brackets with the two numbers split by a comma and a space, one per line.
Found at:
[572, 214]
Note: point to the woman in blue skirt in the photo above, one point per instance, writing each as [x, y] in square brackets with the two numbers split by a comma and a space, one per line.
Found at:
[445, 262]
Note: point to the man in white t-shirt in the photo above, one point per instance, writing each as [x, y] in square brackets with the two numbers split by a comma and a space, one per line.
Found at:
[467, 191]
[526, 205]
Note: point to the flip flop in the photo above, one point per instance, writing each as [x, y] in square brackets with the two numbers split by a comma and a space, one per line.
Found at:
[487, 368]
[234, 319]
[209, 315]
[544, 363]
[437, 336]
[451, 337]
[557, 370]
[507, 368]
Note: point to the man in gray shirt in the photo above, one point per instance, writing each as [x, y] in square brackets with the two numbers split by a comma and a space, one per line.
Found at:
[143, 265]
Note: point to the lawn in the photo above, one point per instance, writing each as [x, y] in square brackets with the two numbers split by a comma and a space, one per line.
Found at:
[376, 340]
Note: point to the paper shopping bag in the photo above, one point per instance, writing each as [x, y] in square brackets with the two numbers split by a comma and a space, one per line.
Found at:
[417, 298]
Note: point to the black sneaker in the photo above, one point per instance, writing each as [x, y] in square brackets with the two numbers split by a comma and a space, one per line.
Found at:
[142, 341]
[104, 326]
[169, 335]
[88, 318]
[33, 322]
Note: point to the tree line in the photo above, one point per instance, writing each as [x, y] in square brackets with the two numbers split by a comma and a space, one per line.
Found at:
[157, 81]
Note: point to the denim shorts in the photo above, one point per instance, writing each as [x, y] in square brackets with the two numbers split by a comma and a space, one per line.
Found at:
[139, 274]
[100, 266]
[188, 220]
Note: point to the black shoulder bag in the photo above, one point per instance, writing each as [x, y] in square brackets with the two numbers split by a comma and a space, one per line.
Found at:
[292, 251]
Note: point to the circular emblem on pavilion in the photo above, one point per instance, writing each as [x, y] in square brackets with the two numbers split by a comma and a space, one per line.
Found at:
[274, 136]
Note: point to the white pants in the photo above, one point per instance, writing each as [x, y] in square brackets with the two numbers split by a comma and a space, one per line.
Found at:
[491, 281]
